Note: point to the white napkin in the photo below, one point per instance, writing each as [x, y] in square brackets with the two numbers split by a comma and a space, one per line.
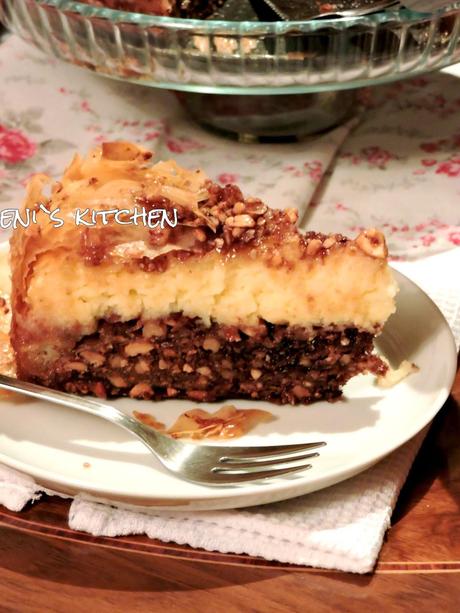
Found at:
[341, 527]
[16, 489]
[47, 112]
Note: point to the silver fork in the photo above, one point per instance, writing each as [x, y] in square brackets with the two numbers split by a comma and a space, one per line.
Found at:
[210, 465]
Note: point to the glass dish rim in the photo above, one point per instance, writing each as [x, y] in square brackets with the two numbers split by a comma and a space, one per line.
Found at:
[85, 10]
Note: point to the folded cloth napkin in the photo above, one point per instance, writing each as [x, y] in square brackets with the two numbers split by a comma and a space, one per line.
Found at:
[48, 110]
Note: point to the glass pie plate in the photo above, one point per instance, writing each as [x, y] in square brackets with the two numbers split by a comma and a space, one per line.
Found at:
[315, 59]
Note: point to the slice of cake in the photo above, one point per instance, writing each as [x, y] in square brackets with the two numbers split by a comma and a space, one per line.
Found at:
[227, 300]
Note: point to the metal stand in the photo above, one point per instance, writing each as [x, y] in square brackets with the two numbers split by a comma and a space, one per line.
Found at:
[270, 118]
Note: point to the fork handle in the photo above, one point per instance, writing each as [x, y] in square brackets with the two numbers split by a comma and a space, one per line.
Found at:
[87, 405]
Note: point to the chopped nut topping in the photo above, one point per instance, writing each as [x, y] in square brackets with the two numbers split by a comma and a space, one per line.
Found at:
[141, 390]
[314, 246]
[117, 381]
[372, 242]
[118, 362]
[211, 344]
[239, 208]
[153, 328]
[138, 347]
[292, 215]
[329, 242]
[300, 392]
[240, 221]
[78, 366]
[257, 208]
[237, 232]
[197, 395]
[93, 358]
[99, 390]
[142, 367]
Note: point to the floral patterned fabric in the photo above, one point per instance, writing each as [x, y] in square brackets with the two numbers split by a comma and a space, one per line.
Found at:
[15, 147]
[398, 170]
[49, 109]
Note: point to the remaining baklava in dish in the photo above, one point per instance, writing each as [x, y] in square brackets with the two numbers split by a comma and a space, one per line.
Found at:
[167, 8]
[226, 300]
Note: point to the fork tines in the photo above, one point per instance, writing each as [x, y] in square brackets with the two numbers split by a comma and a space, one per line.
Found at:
[263, 462]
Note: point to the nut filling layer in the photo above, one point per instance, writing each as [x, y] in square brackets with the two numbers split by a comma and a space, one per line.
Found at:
[179, 357]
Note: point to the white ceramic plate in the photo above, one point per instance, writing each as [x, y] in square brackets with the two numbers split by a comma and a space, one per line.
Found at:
[55, 445]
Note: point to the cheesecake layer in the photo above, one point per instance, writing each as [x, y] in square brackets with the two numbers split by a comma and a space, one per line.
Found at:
[346, 287]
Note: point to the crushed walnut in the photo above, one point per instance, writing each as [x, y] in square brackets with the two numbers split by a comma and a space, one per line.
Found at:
[226, 422]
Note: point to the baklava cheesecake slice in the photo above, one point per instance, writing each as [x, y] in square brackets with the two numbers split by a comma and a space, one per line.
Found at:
[227, 300]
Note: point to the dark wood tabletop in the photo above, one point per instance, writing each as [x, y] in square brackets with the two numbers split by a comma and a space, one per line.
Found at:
[44, 566]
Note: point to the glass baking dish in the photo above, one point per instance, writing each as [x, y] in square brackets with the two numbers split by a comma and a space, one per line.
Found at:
[239, 57]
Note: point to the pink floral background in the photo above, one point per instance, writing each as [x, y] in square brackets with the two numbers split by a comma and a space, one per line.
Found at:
[15, 146]
[397, 168]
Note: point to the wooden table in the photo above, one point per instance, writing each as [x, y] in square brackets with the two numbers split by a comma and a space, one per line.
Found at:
[418, 569]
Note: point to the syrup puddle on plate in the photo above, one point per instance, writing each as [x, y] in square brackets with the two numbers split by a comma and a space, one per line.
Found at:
[226, 422]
